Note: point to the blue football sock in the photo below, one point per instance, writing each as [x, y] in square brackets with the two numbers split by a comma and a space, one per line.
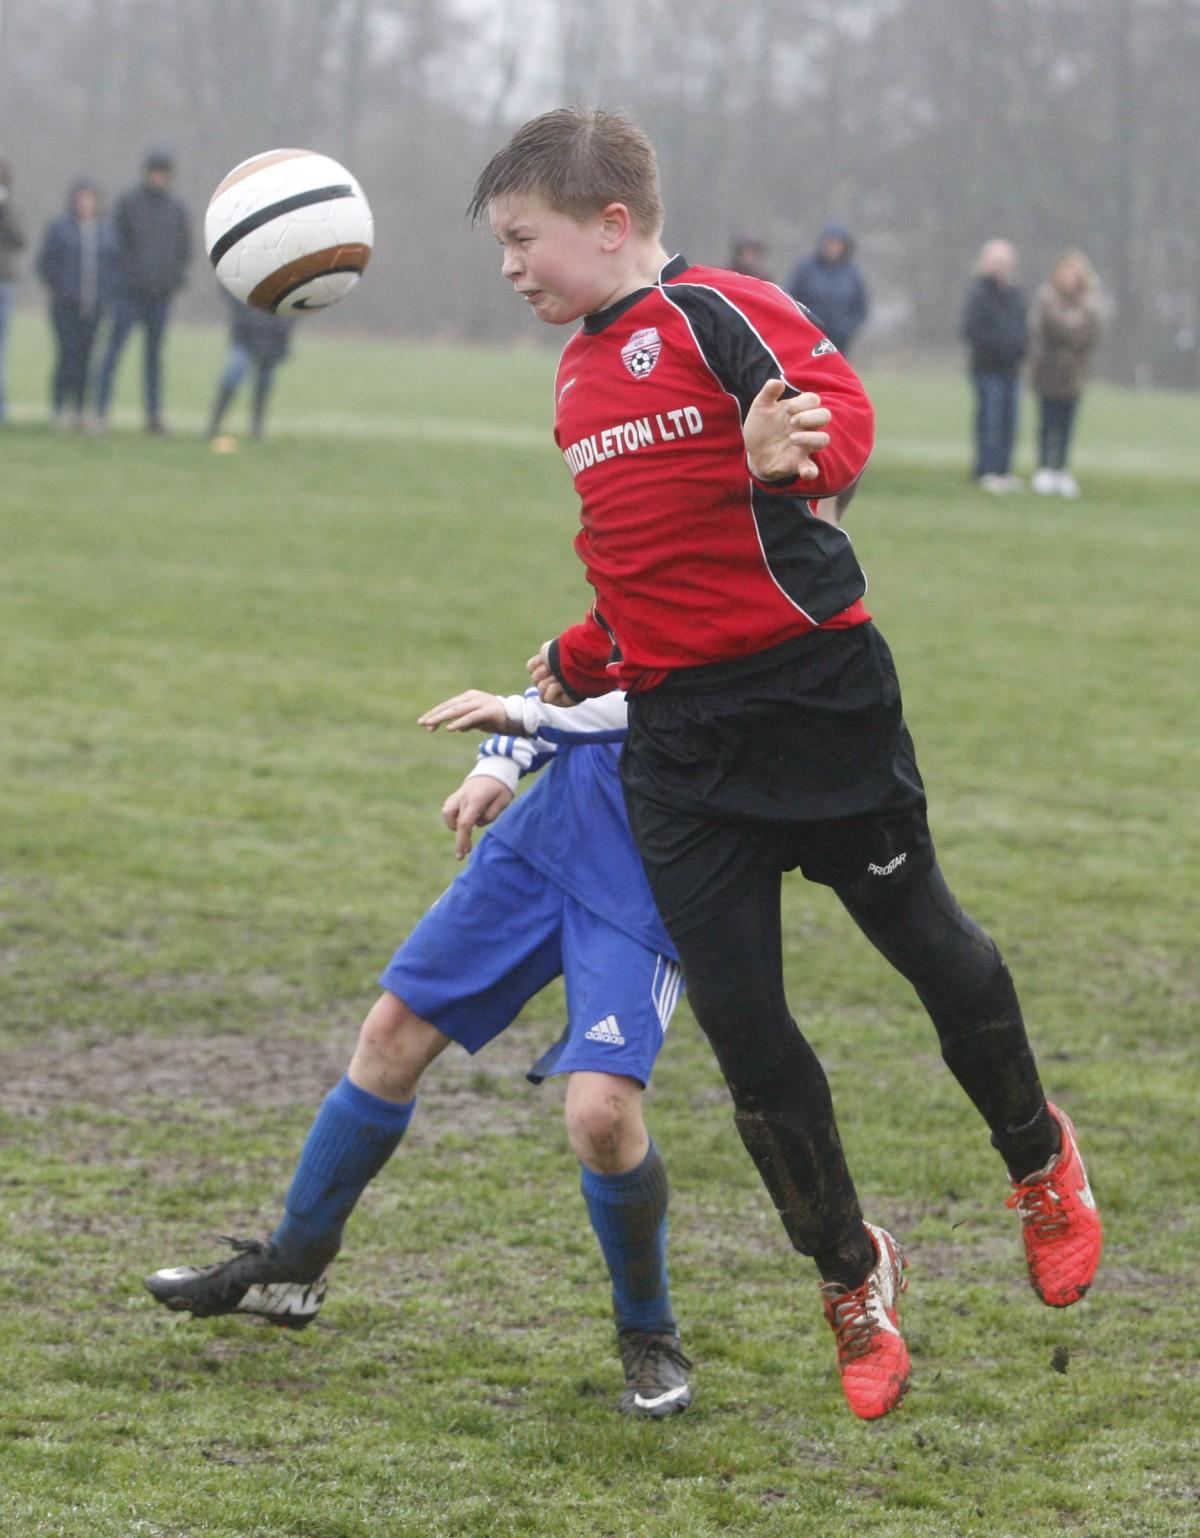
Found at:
[629, 1214]
[353, 1137]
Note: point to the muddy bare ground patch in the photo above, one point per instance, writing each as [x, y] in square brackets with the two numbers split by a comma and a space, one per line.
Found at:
[486, 1093]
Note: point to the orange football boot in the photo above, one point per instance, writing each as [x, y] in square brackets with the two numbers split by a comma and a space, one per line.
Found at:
[1061, 1226]
[872, 1356]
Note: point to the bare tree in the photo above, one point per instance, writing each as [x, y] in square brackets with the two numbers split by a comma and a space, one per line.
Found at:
[928, 125]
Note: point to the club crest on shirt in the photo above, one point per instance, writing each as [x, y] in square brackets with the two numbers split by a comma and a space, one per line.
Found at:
[822, 347]
[640, 352]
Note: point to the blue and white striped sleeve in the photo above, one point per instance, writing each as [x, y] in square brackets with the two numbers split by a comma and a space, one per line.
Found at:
[507, 759]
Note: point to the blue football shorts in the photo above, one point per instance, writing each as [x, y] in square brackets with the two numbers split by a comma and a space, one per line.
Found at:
[499, 934]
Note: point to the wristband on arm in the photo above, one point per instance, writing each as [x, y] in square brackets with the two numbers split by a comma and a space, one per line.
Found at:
[555, 664]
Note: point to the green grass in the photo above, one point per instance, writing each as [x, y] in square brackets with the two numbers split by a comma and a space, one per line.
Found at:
[216, 819]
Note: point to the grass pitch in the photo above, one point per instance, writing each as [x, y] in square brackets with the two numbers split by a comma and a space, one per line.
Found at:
[216, 819]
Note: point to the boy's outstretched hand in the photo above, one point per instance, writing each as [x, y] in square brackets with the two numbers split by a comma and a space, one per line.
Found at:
[783, 435]
[477, 801]
[473, 710]
[550, 691]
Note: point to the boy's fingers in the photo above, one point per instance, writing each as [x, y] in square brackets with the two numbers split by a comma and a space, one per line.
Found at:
[477, 814]
[463, 711]
[436, 714]
[479, 716]
[769, 393]
[819, 416]
[551, 692]
[468, 816]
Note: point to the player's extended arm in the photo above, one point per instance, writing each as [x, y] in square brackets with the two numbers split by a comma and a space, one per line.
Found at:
[519, 750]
[605, 717]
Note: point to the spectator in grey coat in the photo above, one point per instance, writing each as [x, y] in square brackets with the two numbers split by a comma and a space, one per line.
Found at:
[153, 250]
[76, 263]
[12, 240]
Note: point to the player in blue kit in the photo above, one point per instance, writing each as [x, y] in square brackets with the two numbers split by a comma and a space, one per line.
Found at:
[556, 888]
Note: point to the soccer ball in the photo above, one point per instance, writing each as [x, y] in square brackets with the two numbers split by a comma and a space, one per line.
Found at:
[288, 230]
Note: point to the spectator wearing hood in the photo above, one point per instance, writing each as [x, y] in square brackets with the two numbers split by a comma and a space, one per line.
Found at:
[829, 284]
[12, 240]
[153, 250]
[76, 263]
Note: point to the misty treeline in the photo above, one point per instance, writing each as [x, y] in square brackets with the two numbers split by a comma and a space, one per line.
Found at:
[925, 125]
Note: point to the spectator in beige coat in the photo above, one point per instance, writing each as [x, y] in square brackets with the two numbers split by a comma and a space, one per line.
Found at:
[1064, 331]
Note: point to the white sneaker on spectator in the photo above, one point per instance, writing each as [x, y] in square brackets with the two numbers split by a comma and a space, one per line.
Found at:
[1045, 482]
[1013, 483]
[996, 484]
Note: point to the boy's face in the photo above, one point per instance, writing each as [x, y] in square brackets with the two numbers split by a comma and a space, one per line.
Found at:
[562, 267]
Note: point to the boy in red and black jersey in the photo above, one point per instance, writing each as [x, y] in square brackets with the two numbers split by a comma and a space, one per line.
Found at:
[707, 423]
[694, 557]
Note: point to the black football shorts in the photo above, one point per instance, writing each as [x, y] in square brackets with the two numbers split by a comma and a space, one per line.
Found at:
[793, 757]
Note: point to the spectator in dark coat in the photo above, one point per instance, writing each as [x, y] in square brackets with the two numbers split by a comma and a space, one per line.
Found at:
[153, 250]
[259, 340]
[997, 333]
[12, 240]
[749, 256]
[76, 263]
[829, 284]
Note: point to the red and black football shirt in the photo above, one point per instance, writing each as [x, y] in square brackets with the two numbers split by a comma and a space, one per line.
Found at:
[692, 559]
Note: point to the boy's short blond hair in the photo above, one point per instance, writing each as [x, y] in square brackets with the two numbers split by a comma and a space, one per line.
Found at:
[578, 160]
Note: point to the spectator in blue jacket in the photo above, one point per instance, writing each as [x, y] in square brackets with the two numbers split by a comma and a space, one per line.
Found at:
[76, 265]
[154, 247]
[830, 285]
[996, 331]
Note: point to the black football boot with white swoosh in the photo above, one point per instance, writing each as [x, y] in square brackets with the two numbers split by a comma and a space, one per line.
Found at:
[655, 1374]
[253, 1281]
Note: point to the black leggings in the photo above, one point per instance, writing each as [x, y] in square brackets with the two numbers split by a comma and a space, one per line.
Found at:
[782, 1107]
